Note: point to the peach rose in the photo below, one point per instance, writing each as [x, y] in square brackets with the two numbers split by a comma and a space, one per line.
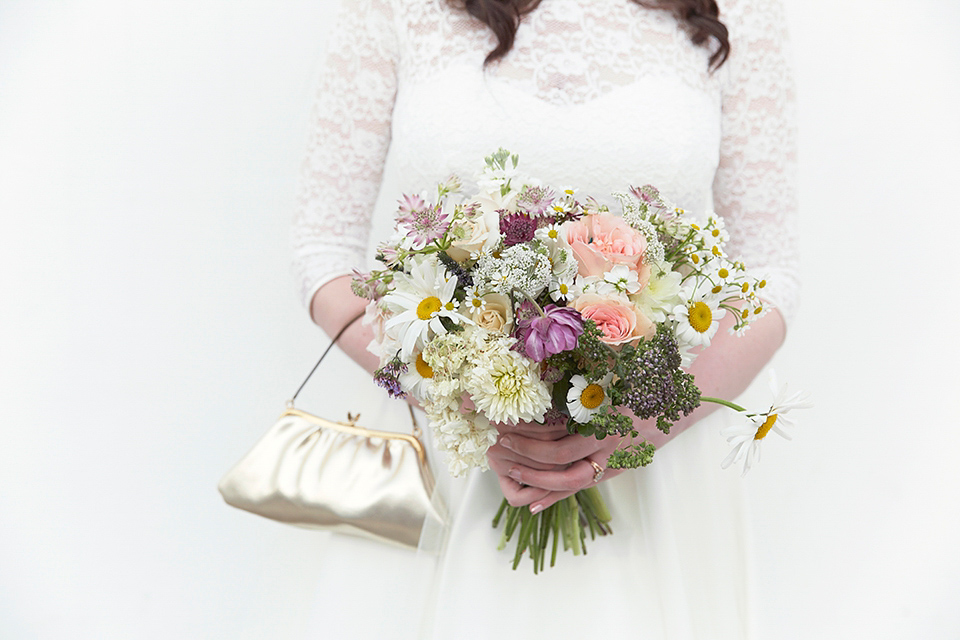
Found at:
[602, 240]
[618, 319]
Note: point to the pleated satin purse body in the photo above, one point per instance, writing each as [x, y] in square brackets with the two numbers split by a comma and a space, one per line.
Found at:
[314, 473]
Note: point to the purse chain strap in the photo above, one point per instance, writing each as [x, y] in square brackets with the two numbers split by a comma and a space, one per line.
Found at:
[352, 419]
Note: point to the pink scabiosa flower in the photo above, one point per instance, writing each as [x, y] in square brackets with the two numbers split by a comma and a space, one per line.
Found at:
[557, 330]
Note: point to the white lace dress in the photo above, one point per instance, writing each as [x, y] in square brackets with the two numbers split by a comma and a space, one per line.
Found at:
[600, 94]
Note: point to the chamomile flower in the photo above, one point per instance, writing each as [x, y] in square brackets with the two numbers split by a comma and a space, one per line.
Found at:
[420, 300]
[746, 438]
[584, 399]
[474, 301]
[697, 320]
[563, 288]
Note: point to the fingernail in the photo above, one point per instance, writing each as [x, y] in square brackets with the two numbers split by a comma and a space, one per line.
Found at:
[514, 473]
[537, 508]
[506, 442]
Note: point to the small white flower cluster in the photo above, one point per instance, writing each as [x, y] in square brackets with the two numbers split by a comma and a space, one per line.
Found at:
[522, 267]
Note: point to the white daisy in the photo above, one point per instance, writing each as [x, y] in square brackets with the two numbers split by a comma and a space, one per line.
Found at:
[746, 438]
[584, 398]
[417, 380]
[419, 301]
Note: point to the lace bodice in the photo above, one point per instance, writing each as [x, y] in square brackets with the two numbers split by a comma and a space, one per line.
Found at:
[600, 94]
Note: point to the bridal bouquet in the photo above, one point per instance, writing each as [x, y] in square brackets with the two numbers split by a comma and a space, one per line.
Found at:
[522, 303]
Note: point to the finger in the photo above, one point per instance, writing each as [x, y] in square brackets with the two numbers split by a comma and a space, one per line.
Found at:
[566, 450]
[552, 430]
[501, 460]
[518, 495]
[549, 500]
[578, 476]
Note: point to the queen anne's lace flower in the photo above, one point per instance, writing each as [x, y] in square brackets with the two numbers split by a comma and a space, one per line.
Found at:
[522, 267]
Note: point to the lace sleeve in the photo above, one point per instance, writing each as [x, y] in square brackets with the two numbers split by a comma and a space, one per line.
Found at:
[347, 145]
[755, 185]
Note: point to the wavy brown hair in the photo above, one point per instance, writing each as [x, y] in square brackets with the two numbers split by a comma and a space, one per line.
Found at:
[701, 17]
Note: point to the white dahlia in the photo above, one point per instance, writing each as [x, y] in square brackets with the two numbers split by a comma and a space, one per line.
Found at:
[503, 384]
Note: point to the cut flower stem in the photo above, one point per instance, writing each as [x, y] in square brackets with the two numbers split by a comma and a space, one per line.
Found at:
[570, 519]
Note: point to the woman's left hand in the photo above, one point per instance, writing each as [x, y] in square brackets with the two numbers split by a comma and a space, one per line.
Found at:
[539, 466]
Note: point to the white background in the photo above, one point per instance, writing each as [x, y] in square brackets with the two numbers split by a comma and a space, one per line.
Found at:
[149, 330]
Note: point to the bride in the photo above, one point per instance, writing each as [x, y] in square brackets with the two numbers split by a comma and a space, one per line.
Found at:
[601, 95]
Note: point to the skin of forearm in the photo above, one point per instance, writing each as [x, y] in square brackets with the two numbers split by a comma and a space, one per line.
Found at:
[333, 306]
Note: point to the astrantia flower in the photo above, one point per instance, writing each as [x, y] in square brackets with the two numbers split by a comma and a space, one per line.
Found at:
[557, 330]
[585, 398]
[517, 228]
[536, 201]
[746, 438]
[504, 385]
[424, 224]
[420, 300]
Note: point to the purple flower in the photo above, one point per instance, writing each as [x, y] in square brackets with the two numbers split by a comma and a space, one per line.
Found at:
[388, 377]
[554, 332]
[517, 228]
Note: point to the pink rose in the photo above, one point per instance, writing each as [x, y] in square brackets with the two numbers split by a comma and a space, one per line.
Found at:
[602, 240]
[618, 319]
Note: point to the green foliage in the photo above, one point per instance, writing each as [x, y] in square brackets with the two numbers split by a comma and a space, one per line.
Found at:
[636, 455]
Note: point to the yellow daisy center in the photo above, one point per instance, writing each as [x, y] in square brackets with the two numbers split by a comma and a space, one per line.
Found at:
[766, 426]
[695, 258]
[477, 302]
[745, 314]
[425, 370]
[745, 287]
[563, 289]
[758, 310]
[761, 284]
[723, 273]
[700, 316]
[428, 307]
[715, 233]
[717, 289]
[592, 396]
[450, 306]
[715, 251]
[553, 234]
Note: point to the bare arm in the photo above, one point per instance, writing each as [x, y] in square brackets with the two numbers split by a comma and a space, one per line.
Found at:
[332, 307]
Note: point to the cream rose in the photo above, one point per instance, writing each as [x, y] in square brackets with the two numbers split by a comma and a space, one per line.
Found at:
[496, 314]
[483, 233]
[618, 319]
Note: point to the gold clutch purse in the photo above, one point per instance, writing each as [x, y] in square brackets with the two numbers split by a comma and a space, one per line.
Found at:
[311, 472]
